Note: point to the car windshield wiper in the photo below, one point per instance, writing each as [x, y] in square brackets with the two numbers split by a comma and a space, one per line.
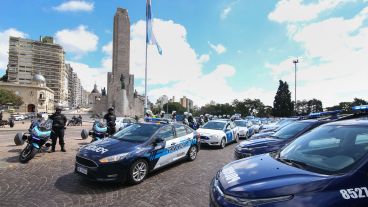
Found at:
[296, 163]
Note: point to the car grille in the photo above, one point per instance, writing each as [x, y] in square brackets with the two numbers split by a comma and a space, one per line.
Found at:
[205, 137]
[239, 155]
[85, 162]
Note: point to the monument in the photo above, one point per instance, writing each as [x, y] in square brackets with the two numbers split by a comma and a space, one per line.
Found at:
[120, 83]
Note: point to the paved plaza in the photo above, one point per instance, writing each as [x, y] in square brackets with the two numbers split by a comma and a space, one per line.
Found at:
[49, 179]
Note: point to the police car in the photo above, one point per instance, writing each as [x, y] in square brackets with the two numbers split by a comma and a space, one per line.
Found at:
[218, 133]
[326, 167]
[136, 150]
[274, 142]
[245, 129]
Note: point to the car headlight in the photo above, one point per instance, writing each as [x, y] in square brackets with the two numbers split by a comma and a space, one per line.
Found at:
[114, 158]
[215, 136]
[255, 202]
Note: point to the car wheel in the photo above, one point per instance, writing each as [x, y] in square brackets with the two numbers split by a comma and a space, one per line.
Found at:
[223, 143]
[192, 153]
[138, 171]
[236, 138]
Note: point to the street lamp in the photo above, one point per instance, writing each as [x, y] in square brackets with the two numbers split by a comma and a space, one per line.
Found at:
[296, 61]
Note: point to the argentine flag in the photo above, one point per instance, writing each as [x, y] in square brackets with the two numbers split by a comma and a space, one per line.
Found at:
[150, 37]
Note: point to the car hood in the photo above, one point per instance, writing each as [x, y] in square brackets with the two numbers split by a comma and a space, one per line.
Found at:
[208, 132]
[243, 128]
[259, 142]
[262, 176]
[107, 147]
[262, 135]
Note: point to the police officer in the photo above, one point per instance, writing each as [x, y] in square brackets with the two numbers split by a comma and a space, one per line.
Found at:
[110, 120]
[173, 114]
[58, 128]
[162, 114]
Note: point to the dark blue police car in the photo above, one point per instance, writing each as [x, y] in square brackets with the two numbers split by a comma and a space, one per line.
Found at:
[133, 152]
[325, 167]
[275, 141]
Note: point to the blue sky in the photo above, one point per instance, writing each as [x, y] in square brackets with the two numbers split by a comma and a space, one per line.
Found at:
[213, 50]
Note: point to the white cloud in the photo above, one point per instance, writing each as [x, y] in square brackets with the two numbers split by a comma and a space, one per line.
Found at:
[219, 48]
[204, 58]
[78, 41]
[4, 44]
[334, 66]
[225, 12]
[75, 6]
[298, 10]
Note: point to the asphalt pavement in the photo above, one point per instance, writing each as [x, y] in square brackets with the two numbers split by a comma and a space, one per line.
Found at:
[49, 179]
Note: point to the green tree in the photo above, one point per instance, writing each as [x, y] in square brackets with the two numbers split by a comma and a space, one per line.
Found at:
[9, 97]
[174, 106]
[282, 105]
[5, 77]
[358, 102]
[301, 107]
[314, 105]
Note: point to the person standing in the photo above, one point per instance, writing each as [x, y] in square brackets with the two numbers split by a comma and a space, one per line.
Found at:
[110, 121]
[58, 128]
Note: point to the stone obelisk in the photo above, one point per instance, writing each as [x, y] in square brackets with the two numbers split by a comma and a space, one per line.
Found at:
[120, 82]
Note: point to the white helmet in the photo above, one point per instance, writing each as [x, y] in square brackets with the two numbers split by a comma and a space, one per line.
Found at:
[173, 112]
[162, 112]
[149, 112]
[186, 113]
[190, 114]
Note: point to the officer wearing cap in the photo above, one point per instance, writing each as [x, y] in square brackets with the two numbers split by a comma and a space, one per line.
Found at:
[58, 128]
[110, 120]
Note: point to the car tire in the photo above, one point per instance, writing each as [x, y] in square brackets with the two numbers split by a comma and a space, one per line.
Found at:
[192, 153]
[223, 143]
[138, 172]
[236, 140]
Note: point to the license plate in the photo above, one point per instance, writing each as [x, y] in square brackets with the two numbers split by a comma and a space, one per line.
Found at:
[82, 170]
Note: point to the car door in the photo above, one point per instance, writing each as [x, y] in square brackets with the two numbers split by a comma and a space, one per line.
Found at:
[229, 133]
[183, 139]
[163, 151]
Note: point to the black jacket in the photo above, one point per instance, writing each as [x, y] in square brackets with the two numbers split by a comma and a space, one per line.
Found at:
[110, 119]
[58, 120]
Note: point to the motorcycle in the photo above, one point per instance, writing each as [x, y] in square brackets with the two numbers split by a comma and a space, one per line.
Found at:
[37, 138]
[99, 131]
[75, 122]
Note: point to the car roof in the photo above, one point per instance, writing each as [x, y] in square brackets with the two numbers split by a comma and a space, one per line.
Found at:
[363, 121]
[219, 120]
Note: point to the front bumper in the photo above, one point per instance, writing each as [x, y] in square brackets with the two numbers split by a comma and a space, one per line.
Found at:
[240, 155]
[93, 171]
[211, 141]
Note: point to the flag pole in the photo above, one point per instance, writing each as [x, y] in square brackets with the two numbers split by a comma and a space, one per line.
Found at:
[145, 69]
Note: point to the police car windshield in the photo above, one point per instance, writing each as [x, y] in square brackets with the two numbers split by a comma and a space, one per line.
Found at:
[136, 132]
[290, 130]
[241, 123]
[328, 149]
[214, 125]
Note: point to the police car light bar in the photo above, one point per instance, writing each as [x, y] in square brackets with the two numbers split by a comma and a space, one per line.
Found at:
[325, 113]
[156, 120]
[360, 108]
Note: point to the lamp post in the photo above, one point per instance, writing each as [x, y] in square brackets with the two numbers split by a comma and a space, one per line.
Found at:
[296, 61]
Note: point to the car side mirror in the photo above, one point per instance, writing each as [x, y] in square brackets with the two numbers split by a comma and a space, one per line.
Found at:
[158, 140]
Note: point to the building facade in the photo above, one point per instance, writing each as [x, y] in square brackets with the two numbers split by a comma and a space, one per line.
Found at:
[186, 103]
[35, 95]
[29, 57]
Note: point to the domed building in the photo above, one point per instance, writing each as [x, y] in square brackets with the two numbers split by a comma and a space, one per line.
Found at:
[94, 96]
[36, 96]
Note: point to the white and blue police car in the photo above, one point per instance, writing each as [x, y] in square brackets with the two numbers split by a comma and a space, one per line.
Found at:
[326, 167]
[218, 133]
[133, 152]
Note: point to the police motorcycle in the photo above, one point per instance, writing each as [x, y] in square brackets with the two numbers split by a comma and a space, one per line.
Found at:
[38, 138]
[75, 121]
[98, 131]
